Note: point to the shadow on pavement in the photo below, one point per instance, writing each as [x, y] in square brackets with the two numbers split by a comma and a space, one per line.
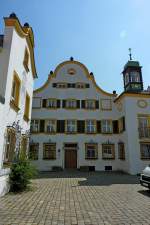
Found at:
[92, 178]
[145, 192]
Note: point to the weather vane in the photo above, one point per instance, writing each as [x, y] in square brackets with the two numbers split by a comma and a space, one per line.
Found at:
[130, 54]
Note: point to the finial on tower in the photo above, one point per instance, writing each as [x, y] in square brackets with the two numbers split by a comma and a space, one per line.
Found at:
[130, 54]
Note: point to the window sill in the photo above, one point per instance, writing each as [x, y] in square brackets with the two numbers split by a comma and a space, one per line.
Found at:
[91, 132]
[106, 133]
[69, 108]
[46, 132]
[108, 158]
[49, 159]
[35, 132]
[123, 159]
[67, 132]
[91, 158]
[146, 159]
[90, 108]
[14, 106]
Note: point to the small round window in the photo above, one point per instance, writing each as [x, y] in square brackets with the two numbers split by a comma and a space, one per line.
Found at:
[71, 71]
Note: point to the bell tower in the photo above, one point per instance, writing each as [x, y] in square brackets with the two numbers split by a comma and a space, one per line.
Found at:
[132, 75]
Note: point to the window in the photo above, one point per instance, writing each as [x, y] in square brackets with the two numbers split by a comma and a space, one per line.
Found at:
[91, 151]
[135, 76]
[71, 71]
[144, 126]
[126, 78]
[80, 85]
[106, 126]
[71, 126]
[90, 104]
[145, 150]
[71, 104]
[27, 108]
[108, 151]
[106, 104]
[33, 151]
[35, 126]
[49, 151]
[51, 126]
[10, 146]
[36, 102]
[15, 92]
[121, 151]
[26, 60]
[51, 103]
[91, 126]
[24, 145]
[61, 85]
[121, 124]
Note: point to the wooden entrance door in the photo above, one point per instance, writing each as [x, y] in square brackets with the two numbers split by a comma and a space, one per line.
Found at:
[70, 158]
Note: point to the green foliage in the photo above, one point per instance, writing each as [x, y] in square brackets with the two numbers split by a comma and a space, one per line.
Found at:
[21, 174]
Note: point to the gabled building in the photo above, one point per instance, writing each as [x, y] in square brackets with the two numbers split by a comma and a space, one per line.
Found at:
[76, 124]
[17, 74]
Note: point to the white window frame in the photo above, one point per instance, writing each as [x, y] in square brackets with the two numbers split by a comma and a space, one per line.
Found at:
[71, 103]
[90, 126]
[134, 76]
[145, 154]
[35, 125]
[95, 149]
[90, 104]
[106, 126]
[50, 126]
[71, 126]
[51, 103]
[126, 78]
[108, 151]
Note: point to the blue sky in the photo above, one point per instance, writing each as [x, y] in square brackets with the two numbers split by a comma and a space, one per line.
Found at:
[95, 32]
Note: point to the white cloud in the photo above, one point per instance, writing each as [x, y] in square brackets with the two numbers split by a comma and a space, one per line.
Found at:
[123, 34]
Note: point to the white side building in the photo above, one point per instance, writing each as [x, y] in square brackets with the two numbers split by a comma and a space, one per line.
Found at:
[75, 124]
[17, 75]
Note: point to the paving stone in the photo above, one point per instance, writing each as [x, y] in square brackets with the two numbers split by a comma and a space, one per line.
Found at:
[78, 198]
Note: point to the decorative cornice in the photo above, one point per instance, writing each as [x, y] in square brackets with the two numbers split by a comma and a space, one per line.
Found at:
[86, 72]
[133, 95]
[24, 32]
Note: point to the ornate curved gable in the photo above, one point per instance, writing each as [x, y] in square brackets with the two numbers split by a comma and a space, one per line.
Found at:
[73, 71]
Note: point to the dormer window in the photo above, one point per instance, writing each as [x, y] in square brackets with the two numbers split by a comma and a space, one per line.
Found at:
[134, 76]
[80, 85]
[61, 85]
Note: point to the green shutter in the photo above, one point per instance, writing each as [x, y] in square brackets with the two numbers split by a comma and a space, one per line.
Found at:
[98, 126]
[44, 103]
[42, 125]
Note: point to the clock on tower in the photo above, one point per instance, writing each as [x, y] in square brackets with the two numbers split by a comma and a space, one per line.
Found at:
[132, 76]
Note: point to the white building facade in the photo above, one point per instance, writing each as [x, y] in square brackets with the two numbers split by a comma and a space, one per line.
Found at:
[16, 89]
[75, 124]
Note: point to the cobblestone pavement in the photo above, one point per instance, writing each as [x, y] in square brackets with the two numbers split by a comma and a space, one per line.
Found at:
[75, 198]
